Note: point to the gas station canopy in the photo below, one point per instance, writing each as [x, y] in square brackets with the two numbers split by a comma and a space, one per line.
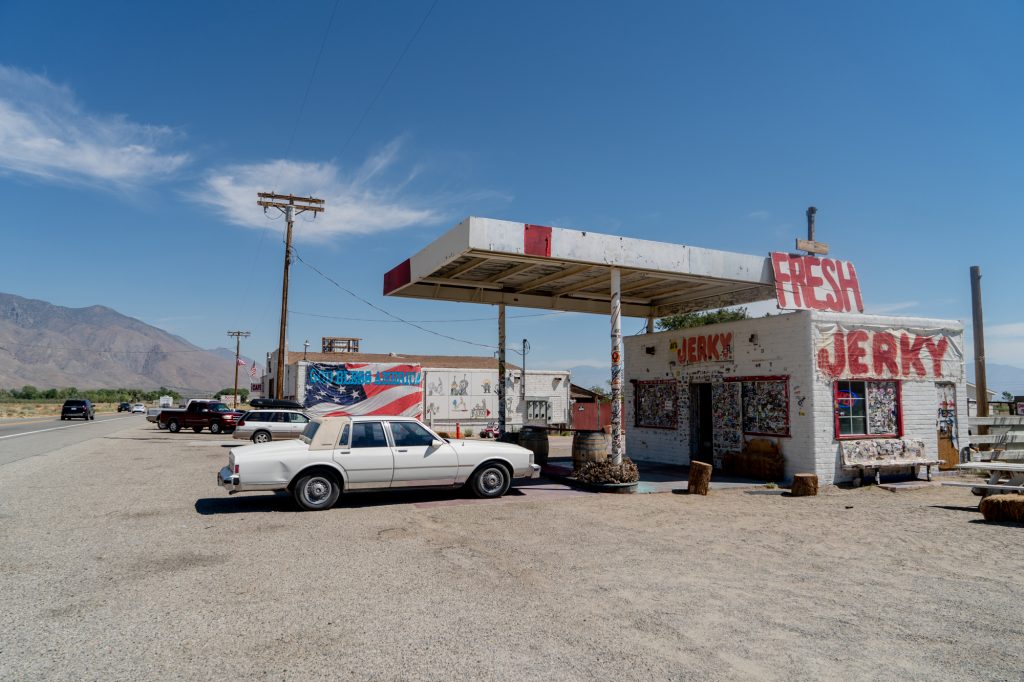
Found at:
[482, 260]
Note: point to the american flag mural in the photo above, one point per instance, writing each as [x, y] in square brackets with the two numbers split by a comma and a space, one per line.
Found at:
[355, 388]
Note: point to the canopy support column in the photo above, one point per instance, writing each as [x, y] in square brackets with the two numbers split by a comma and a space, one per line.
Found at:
[616, 312]
[501, 369]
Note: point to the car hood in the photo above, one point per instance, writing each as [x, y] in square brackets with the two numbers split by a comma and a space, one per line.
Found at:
[273, 449]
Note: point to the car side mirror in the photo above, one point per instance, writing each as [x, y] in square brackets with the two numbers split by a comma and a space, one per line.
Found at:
[436, 443]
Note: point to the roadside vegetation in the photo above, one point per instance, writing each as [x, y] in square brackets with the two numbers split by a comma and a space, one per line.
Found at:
[29, 401]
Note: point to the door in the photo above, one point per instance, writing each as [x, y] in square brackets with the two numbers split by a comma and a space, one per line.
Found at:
[946, 425]
[702, 439]
[364, 453]
[417, 461]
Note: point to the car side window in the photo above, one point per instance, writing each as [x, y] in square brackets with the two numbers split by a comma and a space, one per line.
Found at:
[297, 418]
[343, 442]
[280, 417]
[410, 434]
[368, 435]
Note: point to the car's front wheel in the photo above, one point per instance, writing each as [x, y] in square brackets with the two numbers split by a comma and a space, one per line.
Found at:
[316, 492]
[261, 437]
[214, 427]
[490, 480]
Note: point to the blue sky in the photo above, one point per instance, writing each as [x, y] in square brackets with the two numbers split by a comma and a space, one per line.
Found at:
[133, 137]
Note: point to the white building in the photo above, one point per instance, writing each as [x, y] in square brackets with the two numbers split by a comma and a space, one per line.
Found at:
[808, 381]
[441, 390]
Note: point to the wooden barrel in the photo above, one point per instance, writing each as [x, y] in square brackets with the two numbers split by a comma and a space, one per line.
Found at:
[535, 440]
[588, 446]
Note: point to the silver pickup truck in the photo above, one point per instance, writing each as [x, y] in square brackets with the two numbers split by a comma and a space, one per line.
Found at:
[351, 454]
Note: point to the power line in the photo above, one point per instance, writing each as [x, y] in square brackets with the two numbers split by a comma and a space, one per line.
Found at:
[387, 80]
[382, 310]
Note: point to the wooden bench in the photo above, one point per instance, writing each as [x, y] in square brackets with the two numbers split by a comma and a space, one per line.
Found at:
[875, 454]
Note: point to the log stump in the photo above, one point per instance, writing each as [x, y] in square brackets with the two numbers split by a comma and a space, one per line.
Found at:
[1003, 508]
[804, 485]
[700, 478]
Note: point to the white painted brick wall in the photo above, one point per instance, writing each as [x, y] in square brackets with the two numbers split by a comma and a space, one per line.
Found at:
[784, 346]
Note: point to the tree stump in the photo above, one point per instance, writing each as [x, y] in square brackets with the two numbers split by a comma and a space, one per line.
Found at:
[700, 478]
[804, 485]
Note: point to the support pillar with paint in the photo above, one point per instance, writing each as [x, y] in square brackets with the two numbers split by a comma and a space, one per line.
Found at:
[616, 314]
[501, 369]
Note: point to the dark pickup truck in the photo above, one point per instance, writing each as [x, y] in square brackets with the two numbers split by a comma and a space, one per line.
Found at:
[217, 417]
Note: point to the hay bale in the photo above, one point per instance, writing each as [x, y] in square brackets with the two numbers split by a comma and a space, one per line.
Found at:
[1003, 508]
[804, 485]
[700, 478]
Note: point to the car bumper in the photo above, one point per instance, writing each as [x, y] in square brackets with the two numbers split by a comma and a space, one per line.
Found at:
[533, 471]
[226, 480]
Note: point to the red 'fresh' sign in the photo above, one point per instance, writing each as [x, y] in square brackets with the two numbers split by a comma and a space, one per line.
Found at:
[813, 283]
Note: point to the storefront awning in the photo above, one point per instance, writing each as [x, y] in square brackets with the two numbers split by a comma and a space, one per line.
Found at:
[482, 260]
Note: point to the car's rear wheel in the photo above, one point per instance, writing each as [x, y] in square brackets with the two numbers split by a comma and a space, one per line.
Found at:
[316, 492]
[261, 437]
[490, 480]
[160, 426]
[173, 426]
[214, 427]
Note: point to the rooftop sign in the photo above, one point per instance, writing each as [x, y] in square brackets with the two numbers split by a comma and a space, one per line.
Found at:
[813, 283]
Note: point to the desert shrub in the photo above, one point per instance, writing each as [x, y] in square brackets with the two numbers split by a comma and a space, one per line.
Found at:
[467, 433]
[1003, 508]
[606, 472]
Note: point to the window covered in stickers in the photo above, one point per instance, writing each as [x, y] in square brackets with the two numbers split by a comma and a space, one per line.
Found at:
[765, 406]
[655, 404]
[867, 409]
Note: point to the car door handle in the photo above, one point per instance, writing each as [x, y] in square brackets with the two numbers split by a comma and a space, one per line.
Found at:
[402, 450]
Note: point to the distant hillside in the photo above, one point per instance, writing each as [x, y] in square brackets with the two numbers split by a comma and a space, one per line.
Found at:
[1000, 377]
[96, 347]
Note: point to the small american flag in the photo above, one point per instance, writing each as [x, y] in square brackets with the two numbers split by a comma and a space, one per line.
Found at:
[252, 370]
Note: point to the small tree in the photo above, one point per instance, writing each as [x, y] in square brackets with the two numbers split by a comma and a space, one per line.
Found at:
[687, 320]
[1007, 396]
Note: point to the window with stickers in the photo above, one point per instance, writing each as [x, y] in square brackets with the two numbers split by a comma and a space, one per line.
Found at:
[867, 409]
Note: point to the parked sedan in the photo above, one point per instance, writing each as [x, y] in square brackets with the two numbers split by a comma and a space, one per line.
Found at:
[263, 426]
[123, 407]
[352, 454]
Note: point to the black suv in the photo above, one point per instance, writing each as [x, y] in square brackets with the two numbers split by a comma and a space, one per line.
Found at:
[124, 407]
[77, 408]
[264, 403]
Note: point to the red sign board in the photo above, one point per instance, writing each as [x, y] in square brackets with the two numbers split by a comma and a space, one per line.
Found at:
[813, 283]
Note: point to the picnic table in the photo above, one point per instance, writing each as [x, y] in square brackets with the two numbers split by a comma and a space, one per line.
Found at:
[1003, 476]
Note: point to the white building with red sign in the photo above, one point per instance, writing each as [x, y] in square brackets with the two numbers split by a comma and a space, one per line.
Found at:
[809, 382]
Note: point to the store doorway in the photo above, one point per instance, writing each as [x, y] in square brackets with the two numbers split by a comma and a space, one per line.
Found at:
[702, 445]
[946, 425]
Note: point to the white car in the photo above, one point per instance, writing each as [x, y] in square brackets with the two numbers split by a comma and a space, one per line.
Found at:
[336, 454]
[138, 408]
[263, 426]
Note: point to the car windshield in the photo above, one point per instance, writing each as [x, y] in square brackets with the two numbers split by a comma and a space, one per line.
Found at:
[310, 431]
[74, 403]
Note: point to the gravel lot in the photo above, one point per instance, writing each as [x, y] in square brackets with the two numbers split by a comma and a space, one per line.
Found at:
[120, 558]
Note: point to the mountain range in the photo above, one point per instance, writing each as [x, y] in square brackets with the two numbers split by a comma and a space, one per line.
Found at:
[50, 346]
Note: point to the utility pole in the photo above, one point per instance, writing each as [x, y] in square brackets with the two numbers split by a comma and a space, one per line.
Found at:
[526, 349]
[238, 351]
[289, 205]
[980, 378]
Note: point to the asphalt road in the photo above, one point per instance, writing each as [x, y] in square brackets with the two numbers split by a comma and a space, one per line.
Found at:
[22, 438]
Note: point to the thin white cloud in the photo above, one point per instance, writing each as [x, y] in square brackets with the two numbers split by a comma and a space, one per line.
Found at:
[758, 215]
[357, 203]
[1004, 343]
[889, 308]
[45, 133]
